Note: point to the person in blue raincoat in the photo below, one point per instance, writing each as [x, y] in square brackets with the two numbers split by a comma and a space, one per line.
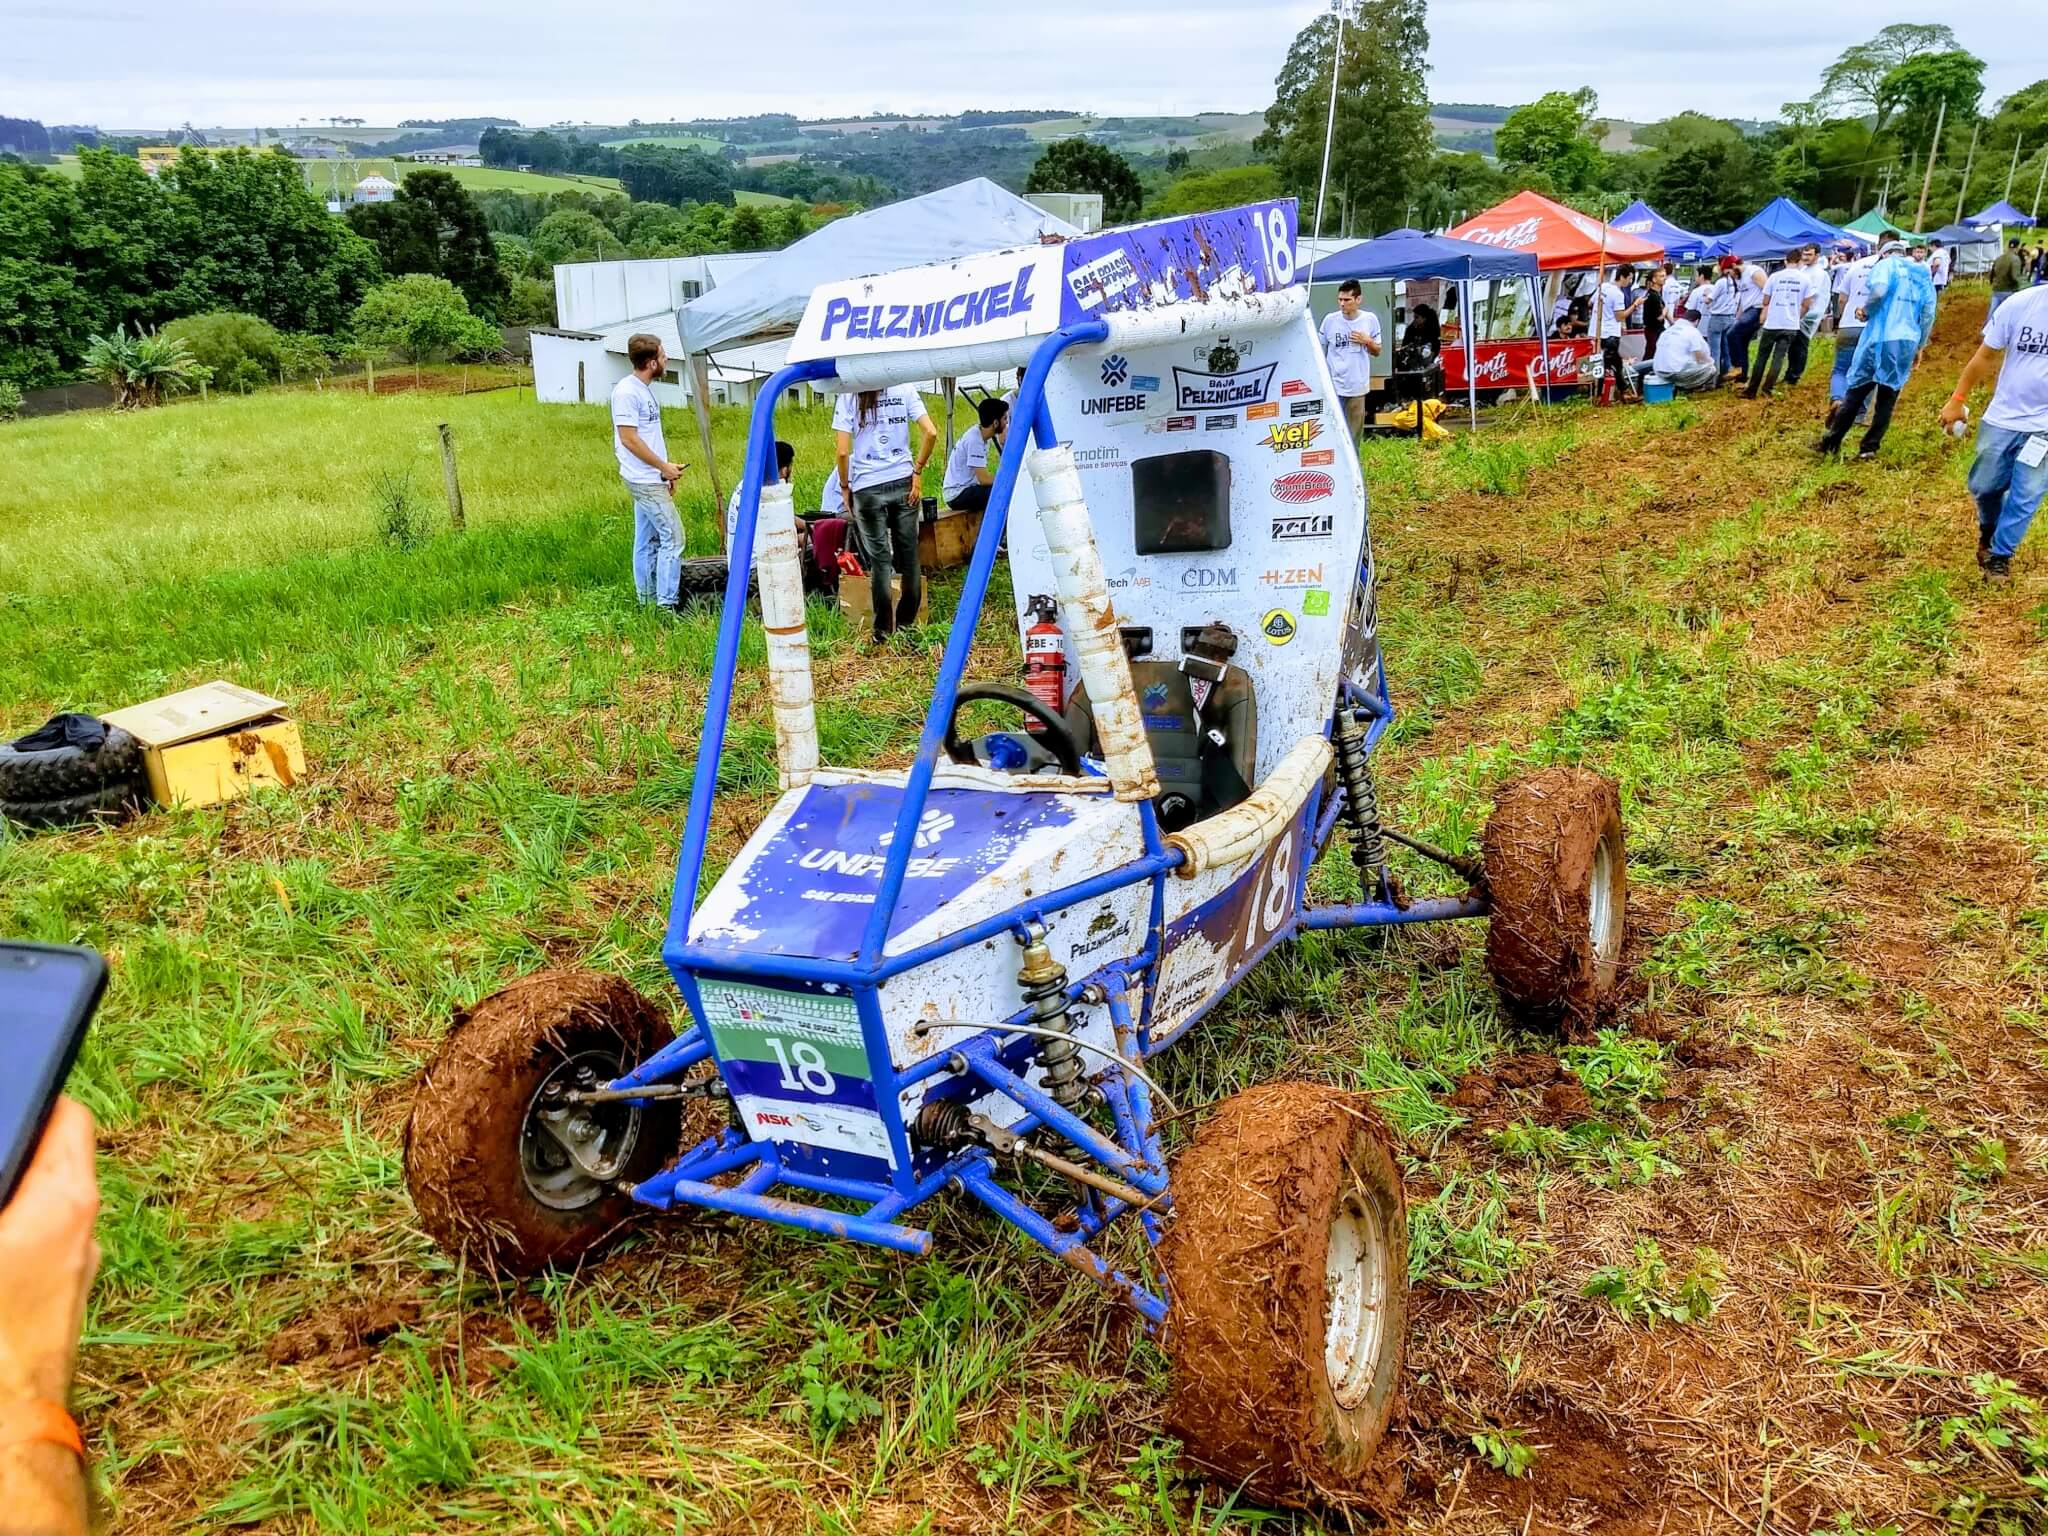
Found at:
[1898, 317]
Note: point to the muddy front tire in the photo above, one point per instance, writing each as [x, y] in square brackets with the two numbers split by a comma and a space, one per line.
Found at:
[500, 1173]
[1287, 1273]
[1557, 877]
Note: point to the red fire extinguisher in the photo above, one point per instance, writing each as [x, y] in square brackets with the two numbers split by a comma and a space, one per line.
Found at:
[1045, 658]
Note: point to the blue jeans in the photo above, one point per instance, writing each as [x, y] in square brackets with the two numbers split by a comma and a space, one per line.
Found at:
[1845, 353]
[2007, 491]
[1718, 327]
[1997, 299]
[657, 545]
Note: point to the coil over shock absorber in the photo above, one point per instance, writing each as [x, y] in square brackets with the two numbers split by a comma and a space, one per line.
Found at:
[1362, 809]
[1044, 983]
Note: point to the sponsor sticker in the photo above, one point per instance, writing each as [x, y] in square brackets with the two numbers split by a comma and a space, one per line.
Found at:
[1318, 458]
[1299, 486]
[1298, 409]
[1110, 457]
[1105, 278]
[1291, 577]
[1210, 578]
[1277, 626]
[1294, 387]
[1180, 423]
[1224, 423]
[1315, 604]
[1285, 436]
[1193, 391]
[1270, 411]
[1304, 525]
[1115, 369]
[1148, 382]
[1113, 405]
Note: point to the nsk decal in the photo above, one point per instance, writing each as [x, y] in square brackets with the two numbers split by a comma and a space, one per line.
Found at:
[1298, 409]
[1277, 626]
[1193, 391]
[1285, 436]
[1318, 458]
[1226, 422]
[1203, 257]
[1294, 387]
[1210, 578]
[966, 311]
[1315, 604]
[1298, 486]
[1292, 576]
[1113, 405]
[1270, 411]
[1305, 525]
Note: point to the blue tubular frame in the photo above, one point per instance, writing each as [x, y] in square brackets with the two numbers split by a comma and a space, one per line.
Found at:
[983, 1059]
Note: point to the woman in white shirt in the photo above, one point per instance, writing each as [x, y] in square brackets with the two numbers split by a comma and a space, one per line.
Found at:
[881, 481]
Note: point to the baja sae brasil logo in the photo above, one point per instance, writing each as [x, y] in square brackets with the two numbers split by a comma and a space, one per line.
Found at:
[1212, 391]
[904, 322]
[1303, 485]
[1284, 436]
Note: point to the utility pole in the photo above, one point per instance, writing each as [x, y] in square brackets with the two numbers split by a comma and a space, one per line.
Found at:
[1342, 8]
[1884, 195]
[1968, 160]
[1927, 181]
[2013, 169]
[2035, 211]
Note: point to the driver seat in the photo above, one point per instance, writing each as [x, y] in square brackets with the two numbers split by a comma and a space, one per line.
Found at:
[1201, 720]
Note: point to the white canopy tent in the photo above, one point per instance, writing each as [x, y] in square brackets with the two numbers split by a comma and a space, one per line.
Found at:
[765, 302]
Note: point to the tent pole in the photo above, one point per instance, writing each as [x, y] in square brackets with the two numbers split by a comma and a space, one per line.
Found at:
[1329, 134]
[700, 404]
[1471, 352]
[1542, 332]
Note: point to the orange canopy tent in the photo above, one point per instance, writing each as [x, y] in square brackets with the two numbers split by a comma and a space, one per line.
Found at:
[1560, 238]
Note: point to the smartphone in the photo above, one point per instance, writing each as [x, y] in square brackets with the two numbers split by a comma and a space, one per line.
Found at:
[47, 993]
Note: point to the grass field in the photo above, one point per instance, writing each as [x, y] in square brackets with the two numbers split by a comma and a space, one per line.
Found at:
[1770, 1255]
[345, 174]
[669, 141]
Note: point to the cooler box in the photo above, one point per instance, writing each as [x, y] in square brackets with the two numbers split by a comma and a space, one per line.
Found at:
[1656, 391]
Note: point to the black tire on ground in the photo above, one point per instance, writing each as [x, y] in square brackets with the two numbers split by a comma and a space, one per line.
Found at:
[55, 774]
[1557, 876]
[703, 581]
[111, 802]
[1287, 1272]
[487, 1178]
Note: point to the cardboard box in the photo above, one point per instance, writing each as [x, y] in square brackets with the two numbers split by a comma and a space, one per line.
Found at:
[857, 602]
[213, 743]
[953, 537]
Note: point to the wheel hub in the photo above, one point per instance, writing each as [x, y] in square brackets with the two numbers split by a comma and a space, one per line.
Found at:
[571, 1154]
[1355, 1280]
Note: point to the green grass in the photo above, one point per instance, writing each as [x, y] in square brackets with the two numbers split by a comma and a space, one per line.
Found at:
[501, 741]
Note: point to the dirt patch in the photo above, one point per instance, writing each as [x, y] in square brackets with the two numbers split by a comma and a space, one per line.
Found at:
[343, 1335]
[479, 1346]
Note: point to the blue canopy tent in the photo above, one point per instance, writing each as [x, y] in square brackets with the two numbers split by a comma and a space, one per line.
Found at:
[1999, 213]
[1779, 229]
[1404, 253]
[1680, 245]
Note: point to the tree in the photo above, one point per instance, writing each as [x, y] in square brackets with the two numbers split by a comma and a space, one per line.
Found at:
[1711, 186]
[1855, 79]
[1201, 191]
[570, 234]
[421, 318]
[1459, 185]
[1081, 165]
[1382, 142]
[746, 230]
[250, 235]
[1913, 96]
[1555, 139]
[656, 173]
[791, 223]
[44, 313]
[433, 225]
[142, 369]
[238, 352]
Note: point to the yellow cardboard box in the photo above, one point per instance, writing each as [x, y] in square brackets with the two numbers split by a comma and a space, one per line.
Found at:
[213, 743]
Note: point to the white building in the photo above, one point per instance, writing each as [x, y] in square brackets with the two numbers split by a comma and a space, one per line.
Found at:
[600, 304]
[374, 189]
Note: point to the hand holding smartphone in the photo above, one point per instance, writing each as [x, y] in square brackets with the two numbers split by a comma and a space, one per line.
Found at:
[47, 993]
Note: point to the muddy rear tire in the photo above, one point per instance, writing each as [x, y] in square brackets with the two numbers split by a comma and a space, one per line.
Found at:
[500, 1177]
[1557, 875]
[1287, 1271]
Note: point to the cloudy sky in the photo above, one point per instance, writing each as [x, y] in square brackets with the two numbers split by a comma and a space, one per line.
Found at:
[123, 64]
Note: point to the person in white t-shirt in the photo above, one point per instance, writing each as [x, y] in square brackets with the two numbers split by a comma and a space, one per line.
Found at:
[2010, 475]
[882, 476]
[1675, 290]
[1749, 318]
[1852, 287]
[1788, 296]
[650, 477]
[967, 474]
[1610, 319]
[1683, 358]
[1351, 340]
[1938, 261]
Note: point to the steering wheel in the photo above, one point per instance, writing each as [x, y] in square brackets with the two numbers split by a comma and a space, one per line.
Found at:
[1056, 745]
